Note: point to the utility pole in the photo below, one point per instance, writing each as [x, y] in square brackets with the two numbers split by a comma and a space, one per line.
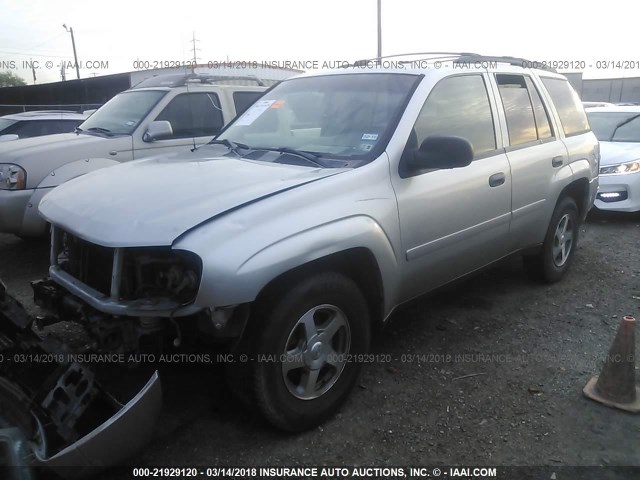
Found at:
[73, 43]
[194, 49]
[379, 28]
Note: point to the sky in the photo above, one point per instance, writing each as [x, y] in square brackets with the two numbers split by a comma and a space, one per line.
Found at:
[114, 36]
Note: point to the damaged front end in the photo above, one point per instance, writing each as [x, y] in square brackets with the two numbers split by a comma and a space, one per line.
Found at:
[60, 412]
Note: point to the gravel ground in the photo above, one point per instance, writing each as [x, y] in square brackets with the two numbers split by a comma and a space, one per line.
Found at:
[489, 371]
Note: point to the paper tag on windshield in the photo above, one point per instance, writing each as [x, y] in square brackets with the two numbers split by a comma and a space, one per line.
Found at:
[254, 112]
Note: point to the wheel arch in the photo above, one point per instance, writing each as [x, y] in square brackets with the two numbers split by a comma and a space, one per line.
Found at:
[578, 190]
[358, 264]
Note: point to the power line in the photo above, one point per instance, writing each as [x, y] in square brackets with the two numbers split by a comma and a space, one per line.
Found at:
[46, 41]
[31, 54]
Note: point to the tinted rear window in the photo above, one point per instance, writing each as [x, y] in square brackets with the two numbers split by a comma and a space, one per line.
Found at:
[574, 120]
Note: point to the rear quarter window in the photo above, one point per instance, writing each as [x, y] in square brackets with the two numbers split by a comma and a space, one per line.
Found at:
[570, 110]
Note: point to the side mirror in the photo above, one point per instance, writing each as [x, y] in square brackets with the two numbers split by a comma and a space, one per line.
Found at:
[442, 152]
[158, 130]
[8, 137]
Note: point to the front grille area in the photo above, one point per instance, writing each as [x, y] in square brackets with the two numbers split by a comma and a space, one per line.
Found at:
[89, 263]
[142, 273]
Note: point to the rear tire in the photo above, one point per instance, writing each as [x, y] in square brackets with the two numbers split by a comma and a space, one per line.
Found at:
[559, 246]
[304, 351]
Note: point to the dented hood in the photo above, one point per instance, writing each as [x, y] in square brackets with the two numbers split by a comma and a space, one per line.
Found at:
[151, 202]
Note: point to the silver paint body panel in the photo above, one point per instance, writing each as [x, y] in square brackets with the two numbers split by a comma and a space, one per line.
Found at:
[251, 222]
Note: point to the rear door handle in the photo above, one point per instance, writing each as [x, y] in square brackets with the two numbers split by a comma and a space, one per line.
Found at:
[497, 179]
[557, 161]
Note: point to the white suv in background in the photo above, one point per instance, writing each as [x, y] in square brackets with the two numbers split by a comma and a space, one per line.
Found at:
[618, 129]
[162, 114]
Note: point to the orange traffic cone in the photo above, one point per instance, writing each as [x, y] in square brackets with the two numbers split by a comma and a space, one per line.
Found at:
[616, 385]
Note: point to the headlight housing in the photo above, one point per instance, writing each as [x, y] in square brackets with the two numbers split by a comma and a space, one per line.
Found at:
[620, 169]
[12, 177]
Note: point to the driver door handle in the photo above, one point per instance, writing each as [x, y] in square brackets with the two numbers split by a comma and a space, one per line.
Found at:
[497, 179]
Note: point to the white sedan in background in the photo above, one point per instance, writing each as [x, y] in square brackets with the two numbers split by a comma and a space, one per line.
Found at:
[618, 129]
[38, 123]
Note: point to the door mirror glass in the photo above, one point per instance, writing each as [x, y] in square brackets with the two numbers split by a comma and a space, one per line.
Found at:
[442, 152]
[158, 130]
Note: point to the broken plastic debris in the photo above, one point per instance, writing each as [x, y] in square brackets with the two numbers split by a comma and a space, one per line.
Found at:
[535, 390]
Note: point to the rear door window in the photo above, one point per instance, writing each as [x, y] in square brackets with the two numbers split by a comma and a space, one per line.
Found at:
[518, 110]
[527, 118]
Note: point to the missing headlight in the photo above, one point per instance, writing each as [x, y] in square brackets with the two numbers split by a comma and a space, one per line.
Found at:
[160, 273]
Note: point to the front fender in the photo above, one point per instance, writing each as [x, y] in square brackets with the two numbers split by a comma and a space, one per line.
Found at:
[32, 223]
[75, 169]
[229, 284]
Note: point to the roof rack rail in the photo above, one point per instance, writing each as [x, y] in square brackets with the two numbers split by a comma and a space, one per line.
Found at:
[517, 61]
[459, 57]
[440, 55]
[179, 80]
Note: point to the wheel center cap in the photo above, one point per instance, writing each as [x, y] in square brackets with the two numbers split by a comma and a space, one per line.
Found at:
[316, 350]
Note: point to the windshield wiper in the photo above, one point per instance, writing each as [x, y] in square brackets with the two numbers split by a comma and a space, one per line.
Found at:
[77, 130]
[106, 131]
[622, 124]
[308, 156]
[232, 146]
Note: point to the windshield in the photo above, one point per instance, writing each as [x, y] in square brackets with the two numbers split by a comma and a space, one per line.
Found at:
[604, 124]
[5, 123]
[122, 114]
[348, 116]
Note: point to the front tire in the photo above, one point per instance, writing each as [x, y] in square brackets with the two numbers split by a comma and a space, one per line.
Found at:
[306, 347]
[559, 246]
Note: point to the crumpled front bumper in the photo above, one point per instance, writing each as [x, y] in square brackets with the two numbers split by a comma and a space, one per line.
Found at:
[126, 431]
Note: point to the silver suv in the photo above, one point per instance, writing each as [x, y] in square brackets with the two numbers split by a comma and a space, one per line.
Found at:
[161, 115]
[332, 200]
